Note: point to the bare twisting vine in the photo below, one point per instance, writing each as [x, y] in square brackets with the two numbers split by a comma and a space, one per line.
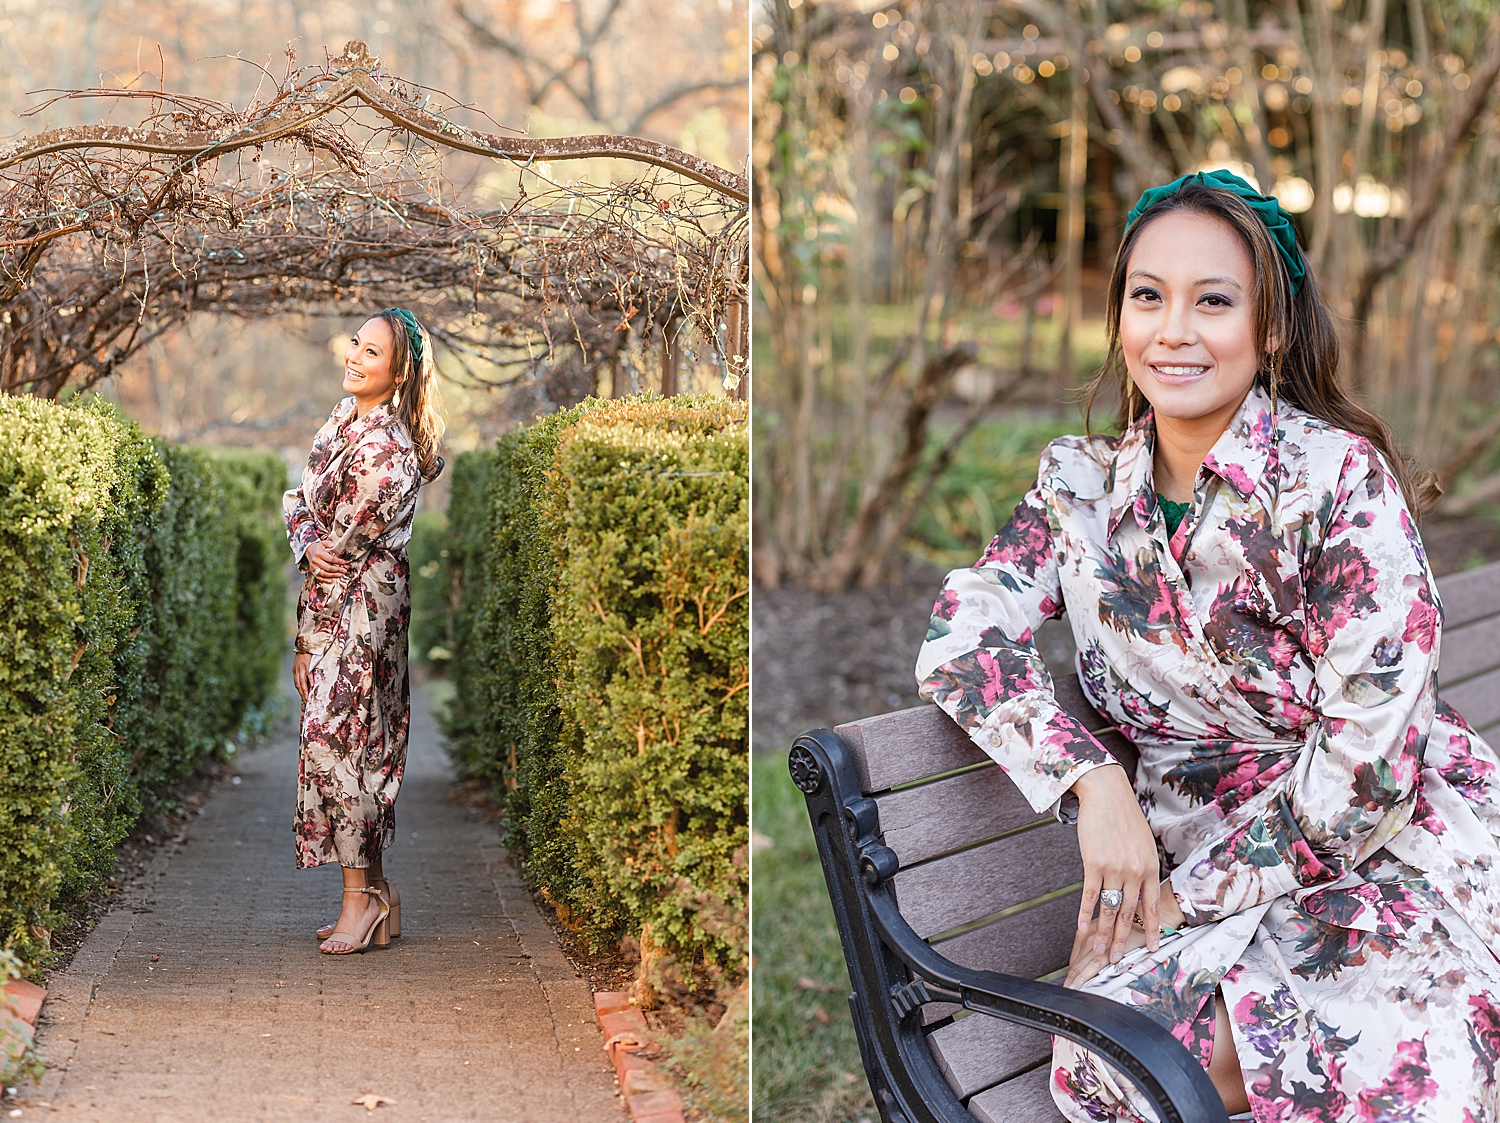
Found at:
[339, 191]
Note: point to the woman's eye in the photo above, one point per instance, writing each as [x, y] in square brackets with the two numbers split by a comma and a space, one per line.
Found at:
[1214, 300]
[1145, 294]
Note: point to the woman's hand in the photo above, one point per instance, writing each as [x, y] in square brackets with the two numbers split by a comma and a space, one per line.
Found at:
[301, 673]
[324, 564]
[1119, 852]
[1085, 962]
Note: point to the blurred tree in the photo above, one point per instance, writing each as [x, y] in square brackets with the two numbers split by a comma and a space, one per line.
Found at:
[882, 243]
[565, 47]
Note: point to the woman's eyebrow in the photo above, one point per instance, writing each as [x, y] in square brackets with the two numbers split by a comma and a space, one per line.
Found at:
[1134, 273]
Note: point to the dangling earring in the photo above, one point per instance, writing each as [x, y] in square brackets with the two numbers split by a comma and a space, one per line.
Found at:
[1272, 380]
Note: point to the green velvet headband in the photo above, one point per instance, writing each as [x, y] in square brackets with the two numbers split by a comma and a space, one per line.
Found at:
[413, 334]
[1276, 219]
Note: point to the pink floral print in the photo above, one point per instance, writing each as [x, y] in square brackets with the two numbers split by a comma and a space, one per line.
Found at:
[1329, 825]
[359, 493]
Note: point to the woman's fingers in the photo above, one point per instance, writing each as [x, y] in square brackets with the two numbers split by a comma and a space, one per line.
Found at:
[325, 561]
[1107, 916]
[1151, 912]
[1124, 917]
[300, 674]
[1084, 970]
[1091, 886]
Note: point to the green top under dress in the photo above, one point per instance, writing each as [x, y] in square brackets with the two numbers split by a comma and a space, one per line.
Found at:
[1174, 513]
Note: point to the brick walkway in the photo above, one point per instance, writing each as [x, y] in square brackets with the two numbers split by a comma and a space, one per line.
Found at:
[202, 995]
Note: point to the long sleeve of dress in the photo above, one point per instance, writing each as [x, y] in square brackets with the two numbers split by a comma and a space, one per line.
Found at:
[980, 665]
[1372, 624]
[301, 525]
[377, 483]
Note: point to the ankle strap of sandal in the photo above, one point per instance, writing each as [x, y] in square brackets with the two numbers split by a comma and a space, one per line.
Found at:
[360, 889]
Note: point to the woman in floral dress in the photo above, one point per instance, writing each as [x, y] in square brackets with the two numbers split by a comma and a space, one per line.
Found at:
[1252, 605]
[349, 524]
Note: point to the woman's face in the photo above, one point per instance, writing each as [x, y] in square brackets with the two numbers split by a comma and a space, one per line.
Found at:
[1187, 327]
[367, 362]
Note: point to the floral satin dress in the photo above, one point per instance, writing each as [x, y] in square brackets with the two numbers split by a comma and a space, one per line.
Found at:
[1330, 825]
[359, 493]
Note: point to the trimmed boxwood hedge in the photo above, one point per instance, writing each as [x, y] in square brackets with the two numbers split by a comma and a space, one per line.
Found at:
[599, 578]
[143, 596]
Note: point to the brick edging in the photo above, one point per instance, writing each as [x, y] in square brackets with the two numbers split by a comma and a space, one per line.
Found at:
[20, 1003]
[649, 1094]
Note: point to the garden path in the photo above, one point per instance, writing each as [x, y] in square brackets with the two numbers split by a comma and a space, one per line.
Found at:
[202, 994]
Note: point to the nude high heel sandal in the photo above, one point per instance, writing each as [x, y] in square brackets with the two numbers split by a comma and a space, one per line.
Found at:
[392, 898]
[378, 932]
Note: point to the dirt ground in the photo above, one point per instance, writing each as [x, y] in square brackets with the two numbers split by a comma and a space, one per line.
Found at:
[820, 660]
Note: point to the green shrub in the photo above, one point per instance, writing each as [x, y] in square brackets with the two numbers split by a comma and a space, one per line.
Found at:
[431, 645]
[251, 483]
[505, 720]
[126, 657]
[212, 646]
[470, 720]
[64, 790]
[599, 578]
[650, 624]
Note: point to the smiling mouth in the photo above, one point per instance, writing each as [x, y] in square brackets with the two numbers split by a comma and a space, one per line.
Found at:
[349, 372]
[1179, 372]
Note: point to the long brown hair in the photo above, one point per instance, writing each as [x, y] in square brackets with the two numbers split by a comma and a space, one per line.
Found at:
[1304, 368]
[415, 396]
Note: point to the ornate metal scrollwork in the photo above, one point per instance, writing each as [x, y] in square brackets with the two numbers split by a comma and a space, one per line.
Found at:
[805, 772]
[909, 997]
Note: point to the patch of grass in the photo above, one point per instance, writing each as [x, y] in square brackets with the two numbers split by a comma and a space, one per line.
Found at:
[995, 466]
[806, 1066]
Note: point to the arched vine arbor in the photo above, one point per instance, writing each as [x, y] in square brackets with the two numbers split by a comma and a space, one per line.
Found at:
[336, 191]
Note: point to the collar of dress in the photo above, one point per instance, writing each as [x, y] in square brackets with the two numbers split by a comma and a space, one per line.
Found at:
[351, 428]
[1240, 457]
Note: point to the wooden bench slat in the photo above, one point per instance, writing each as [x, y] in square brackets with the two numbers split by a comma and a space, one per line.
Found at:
[979, 1052]
[945, 893]
[923, 741]
[913, 745]
[937, 1011]
[1477, 700]
[920, 823]
[1470, 595]
[1469, 650]
[1029, 944]
[1028, 1097]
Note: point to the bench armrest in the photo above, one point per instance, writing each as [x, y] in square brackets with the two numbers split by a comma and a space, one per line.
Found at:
[894, 972]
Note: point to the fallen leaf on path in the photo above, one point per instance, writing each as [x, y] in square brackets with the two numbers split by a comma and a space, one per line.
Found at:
[822, 1015]
[370, 1101]
[299, 1099]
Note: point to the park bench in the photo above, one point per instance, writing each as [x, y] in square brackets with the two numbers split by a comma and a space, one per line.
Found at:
[955, 902]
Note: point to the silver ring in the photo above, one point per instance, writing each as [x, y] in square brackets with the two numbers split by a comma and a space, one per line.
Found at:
[1111, 898]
